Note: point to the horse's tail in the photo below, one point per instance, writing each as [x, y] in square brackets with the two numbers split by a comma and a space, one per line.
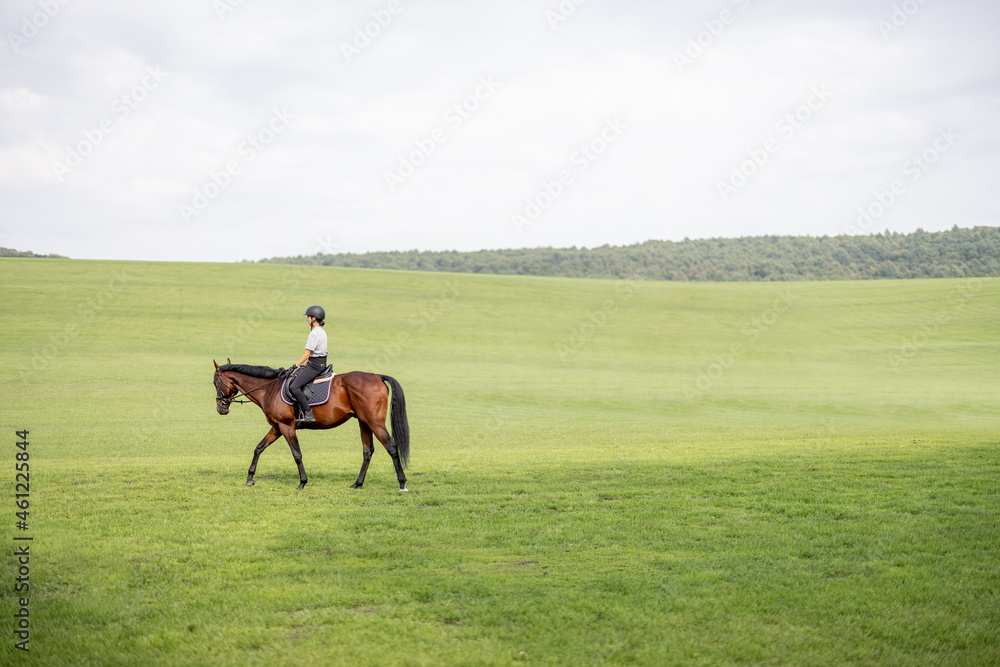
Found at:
[400, 427]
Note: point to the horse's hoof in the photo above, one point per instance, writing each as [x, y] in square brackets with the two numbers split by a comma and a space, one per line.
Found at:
[301, 486]
[355, 486]
[249, 482]
[404, 490]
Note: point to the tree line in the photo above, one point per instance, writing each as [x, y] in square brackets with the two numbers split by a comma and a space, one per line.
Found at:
[957, 253]
[10, 252]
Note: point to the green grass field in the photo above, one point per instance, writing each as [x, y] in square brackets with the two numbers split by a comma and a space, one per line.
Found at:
[601, 472]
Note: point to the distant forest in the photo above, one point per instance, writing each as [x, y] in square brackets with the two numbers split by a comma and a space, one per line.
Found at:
[952, 254]
[10, 252]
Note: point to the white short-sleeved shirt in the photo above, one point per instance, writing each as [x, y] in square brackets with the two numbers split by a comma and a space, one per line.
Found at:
[316, 343]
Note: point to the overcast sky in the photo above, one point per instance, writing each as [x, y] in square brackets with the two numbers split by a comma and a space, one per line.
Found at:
[221, 130]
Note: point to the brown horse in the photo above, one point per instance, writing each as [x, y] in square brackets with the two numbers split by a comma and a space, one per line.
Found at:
[355, 394]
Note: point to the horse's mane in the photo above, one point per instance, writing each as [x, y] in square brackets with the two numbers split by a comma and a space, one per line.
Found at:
[262, 372]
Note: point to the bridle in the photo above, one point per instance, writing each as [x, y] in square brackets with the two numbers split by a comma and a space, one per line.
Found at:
[227, 400]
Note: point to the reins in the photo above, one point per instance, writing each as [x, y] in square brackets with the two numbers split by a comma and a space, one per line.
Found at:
[228, 400]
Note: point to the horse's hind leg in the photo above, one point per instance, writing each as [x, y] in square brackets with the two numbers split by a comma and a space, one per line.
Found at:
[383, 436]
[366, 452]
[271, 436]
[293, 444]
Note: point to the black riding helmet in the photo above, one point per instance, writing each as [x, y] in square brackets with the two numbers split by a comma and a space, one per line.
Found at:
[316, 311]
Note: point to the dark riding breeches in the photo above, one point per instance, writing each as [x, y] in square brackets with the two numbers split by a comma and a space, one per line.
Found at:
[304, 376]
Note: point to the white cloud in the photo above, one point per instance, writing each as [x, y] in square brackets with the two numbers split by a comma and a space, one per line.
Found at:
[324, 177]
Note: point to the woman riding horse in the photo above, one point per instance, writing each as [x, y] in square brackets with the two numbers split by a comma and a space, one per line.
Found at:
[315, 355]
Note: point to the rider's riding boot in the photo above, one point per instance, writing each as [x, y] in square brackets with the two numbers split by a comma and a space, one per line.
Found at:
[307, 414]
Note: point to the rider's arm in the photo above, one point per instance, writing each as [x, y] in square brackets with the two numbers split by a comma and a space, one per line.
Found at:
[304, 359]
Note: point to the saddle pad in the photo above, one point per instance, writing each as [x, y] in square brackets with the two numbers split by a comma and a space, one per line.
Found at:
[317, 392]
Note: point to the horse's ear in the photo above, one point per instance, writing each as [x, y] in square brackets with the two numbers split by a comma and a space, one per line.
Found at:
[228, 360]
[216, 365]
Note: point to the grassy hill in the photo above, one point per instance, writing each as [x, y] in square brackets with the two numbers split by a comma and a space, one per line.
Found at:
[601, 471]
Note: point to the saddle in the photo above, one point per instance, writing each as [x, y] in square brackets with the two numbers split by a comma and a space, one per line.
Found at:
[317, 392]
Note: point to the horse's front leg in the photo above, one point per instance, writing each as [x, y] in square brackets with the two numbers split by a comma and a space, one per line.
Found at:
[288, 431]
[271, 436]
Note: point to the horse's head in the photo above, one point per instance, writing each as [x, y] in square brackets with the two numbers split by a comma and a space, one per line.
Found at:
[224, 391]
